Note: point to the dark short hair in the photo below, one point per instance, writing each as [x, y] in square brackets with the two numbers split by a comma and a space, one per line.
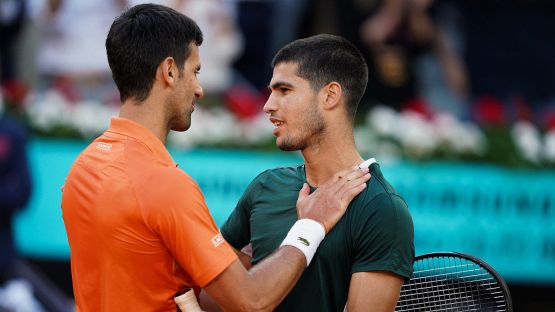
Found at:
[140, 39]
[324, 58]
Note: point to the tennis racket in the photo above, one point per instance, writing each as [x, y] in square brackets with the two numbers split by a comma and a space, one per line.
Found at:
[452, 281]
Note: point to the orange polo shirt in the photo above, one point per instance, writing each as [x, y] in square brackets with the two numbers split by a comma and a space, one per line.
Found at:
[138, 227]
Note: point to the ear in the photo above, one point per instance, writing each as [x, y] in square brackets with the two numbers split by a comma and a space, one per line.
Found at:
[168, 71]
[332, 94]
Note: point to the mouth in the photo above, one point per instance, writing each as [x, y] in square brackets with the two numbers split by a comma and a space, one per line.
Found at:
[278, 123]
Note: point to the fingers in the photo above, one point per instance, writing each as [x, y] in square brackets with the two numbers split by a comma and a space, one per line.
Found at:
[348, 176]
[353, 188]
[356, 178]
[354, 183]
[355, 173]
[304, 192]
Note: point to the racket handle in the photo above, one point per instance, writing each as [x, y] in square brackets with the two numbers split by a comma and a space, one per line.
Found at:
[187, 302]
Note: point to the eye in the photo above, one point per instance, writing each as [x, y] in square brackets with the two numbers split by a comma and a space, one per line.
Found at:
[284, 90]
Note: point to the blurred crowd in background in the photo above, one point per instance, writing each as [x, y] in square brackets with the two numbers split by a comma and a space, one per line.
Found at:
[442, 55]
[487, 62]
[446, 75]
[476, 64]
[462, 79]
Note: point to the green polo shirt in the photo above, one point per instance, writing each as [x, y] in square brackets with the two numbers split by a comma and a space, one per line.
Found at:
[375, 234]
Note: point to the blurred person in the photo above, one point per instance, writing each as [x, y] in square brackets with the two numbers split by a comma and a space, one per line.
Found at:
[394, 35]
[316, 87]
[293, 11]
[15, 190]
[441, 73]
[254, 18]
[138, 227]
[222, 39]
[12, 17]
[70, 57]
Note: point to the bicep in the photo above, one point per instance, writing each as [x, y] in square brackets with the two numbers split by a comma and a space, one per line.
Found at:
[374, 291]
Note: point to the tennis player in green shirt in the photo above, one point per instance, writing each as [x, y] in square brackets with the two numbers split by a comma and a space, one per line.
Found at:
[361, 264]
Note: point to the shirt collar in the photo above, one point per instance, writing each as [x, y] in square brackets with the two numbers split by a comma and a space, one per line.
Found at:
[137, 131]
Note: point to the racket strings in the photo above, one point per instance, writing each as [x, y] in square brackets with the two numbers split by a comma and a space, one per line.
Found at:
[451, 284]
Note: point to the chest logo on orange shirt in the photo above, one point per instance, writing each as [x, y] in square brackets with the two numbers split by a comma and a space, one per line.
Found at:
[217, 240]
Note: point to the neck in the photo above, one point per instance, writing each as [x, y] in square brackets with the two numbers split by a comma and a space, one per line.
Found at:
[149, 114]
[331, 155]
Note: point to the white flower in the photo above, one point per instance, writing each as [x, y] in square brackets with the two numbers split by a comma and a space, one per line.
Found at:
[387, 153]
[91, 118]
[256, 129]
[417, 136]
[472, 139]
[527, 140]
[459, 136]
[549, 146]
[383, 120]
[366, 141]
[49, 111]
[215, 126]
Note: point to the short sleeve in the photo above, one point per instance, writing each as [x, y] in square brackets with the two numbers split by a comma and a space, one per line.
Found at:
[188, 230]
[236, 230]
[383, 236]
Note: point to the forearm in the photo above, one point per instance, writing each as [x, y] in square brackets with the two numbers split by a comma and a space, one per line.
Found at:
[263, 286]
[275, 276]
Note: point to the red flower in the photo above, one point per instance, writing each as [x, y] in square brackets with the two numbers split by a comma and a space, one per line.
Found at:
[15, 92]
[418, 105]
[489, 110]
[244, 102]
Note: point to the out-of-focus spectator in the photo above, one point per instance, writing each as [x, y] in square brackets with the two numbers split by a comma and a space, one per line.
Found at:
[441, 74]
[393, 35]
[383, 32]
[287, 17]
[254, 20]
[71, 53]
[15, 187]
[223, 41]
[12, 17]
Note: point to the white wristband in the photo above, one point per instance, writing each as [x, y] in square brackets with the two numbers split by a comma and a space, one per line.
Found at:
[305, 235]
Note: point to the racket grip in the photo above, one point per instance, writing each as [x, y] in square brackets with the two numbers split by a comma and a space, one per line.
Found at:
[187, 302]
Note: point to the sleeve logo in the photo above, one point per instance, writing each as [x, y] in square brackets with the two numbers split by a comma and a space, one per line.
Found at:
[104, 146]
[217, 240]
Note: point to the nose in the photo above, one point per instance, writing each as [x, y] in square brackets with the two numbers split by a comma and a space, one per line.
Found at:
[270, 105]
[199, 92]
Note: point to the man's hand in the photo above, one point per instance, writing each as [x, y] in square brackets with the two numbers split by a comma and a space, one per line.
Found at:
[329, 202]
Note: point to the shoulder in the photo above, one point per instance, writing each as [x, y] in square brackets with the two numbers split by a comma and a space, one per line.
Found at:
[379, 190]
[170, 183]
[380, 199]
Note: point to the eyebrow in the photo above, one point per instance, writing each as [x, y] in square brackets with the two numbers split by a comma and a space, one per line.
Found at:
[279, 84]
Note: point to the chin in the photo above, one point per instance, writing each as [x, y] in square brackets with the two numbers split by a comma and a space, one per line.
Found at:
[288, 147]
[181, 128]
